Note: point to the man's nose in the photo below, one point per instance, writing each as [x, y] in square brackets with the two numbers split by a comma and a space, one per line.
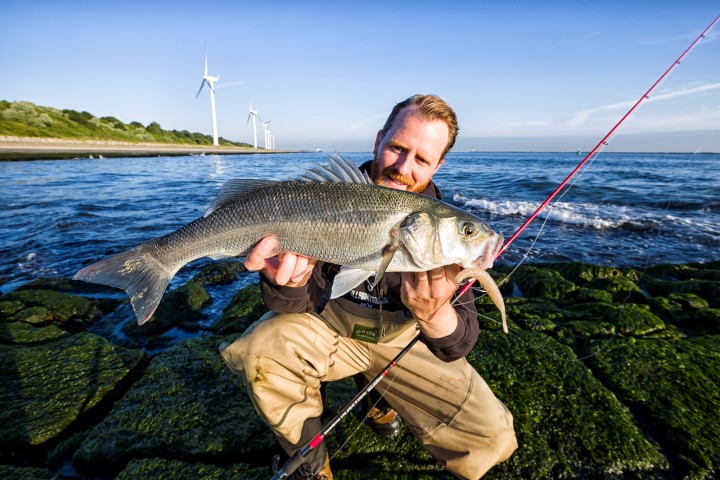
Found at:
[403, 165]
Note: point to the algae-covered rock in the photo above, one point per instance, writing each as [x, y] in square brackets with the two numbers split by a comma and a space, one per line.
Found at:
[15, 333]
[187, 406]
[46, 306]
[11, 472]
[580, 273]
[568, 424]
[707, 289]
[46, 387]
[672, 387]
[622, 289]
[220, 273]
[542, 282]
[162, 469]
[245, 307]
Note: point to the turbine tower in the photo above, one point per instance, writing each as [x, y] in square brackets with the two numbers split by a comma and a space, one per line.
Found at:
[210, 82]
[266, 133]
[253, 114]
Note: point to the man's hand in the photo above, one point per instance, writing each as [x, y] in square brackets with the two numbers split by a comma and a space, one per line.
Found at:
[288, 269]
[427, 295]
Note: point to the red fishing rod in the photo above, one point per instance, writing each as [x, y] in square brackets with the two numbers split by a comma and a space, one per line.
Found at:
[298, 459]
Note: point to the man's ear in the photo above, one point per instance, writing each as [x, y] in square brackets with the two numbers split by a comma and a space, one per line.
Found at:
[378, 139]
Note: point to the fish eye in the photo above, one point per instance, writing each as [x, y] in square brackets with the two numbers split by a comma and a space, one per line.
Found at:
[467, 228]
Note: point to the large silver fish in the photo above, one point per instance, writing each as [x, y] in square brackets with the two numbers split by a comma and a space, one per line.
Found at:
[333, 213]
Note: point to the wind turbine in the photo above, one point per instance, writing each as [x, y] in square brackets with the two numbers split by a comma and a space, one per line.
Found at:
[253, 114]
[210, 82]
[266, 132]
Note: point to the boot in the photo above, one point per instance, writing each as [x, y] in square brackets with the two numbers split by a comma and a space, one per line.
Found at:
[380, 416]
[317, 462]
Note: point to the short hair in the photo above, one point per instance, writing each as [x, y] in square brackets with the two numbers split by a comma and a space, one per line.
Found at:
[430, 107]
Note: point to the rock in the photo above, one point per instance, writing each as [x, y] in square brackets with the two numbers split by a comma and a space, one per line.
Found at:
[568, 424]
[27, 473]
[672, 389]
[542, 282]
[188, 406]
[245, 307]
[41, 307]
[219, 273]
[48, 384]
[161, 469]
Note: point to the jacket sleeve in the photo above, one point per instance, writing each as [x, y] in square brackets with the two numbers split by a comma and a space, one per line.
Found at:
[282, 299]
[461, 341]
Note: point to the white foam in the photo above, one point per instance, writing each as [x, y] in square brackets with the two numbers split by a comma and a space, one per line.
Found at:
[595, 216]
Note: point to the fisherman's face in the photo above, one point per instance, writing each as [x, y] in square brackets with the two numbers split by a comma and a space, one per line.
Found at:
[410, 152]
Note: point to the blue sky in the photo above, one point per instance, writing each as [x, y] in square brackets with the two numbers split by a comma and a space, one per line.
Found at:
[522, 75]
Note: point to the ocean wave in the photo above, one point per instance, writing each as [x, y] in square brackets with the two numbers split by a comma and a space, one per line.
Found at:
[599, 217]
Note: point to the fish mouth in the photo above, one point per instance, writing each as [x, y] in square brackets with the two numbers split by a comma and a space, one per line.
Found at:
[492, 249]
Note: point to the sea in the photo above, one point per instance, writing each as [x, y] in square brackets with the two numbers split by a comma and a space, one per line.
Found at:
[622, 209]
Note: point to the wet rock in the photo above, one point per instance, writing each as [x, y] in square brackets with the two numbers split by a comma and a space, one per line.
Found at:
[542, 282]
[162, 469]
[27, 473]
[245, 308]
[49, 383]
[568, 424]
[605, 380]
[41, 307]
[21, 333]
[672, 389]
[220, 273]
[188, 406]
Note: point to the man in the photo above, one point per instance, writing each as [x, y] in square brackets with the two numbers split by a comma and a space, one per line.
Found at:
[287, 354]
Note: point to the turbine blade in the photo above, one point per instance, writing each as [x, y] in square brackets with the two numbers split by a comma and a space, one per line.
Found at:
[202, 84]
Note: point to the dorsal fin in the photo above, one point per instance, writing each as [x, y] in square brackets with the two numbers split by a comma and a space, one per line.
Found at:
[338, 170]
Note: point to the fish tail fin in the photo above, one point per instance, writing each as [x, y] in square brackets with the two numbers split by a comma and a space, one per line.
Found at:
[136, 271]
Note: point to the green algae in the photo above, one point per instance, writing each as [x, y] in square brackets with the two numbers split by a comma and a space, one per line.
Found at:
[245, 308]
[673, 387]
[568, 425]
[47, 386]
[46, 306]
[187, 406]
[163, 469]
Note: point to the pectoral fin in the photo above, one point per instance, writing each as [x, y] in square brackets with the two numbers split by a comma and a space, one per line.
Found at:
[387, 256]
[347, 279]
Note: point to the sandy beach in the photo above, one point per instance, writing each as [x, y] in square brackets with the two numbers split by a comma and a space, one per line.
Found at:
[19, 148]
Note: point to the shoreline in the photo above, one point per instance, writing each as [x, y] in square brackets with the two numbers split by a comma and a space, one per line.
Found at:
[19, 149]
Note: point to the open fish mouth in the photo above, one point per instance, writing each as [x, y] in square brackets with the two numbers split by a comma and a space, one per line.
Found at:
[492, 247]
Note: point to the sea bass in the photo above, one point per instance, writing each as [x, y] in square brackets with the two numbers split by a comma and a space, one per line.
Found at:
[333, 213]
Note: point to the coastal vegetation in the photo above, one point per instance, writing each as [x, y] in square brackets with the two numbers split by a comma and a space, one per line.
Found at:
[25, 119]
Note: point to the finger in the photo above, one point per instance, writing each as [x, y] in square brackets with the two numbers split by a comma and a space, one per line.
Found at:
[255, 259]
[285, 269]
[301, 266]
